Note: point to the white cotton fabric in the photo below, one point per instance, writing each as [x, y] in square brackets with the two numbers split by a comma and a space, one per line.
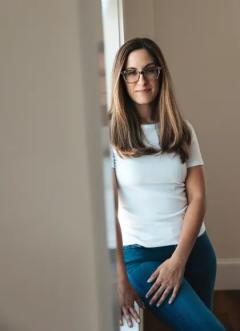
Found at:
[151, 196]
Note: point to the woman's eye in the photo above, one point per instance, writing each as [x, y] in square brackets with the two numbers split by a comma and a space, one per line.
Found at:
[150, 70]
[132, 73]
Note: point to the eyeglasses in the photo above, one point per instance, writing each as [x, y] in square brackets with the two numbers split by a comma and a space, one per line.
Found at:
[133, 75]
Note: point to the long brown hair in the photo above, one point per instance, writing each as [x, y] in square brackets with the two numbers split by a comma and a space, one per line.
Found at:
[126, 134]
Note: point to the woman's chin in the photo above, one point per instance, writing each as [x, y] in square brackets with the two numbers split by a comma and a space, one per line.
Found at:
[143, 101]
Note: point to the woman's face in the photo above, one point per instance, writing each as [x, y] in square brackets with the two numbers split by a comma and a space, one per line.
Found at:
[145, 90]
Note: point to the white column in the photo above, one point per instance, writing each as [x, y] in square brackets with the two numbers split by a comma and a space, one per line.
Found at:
[55, 268]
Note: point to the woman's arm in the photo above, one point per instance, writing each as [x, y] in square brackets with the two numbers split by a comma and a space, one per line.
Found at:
[121, 271]
[126, 293]
[168, 276]
[195, 189]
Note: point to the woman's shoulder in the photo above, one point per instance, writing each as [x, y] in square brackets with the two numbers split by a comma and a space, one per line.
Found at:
[190, 126]
[112, 149]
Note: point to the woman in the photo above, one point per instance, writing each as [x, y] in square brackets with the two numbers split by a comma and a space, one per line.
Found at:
[165, 261]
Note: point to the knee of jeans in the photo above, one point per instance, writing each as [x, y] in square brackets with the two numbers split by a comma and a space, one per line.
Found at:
[218, 327]
[213, 325]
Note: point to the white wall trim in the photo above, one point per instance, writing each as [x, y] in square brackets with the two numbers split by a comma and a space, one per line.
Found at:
[120, 22]
[228, 274]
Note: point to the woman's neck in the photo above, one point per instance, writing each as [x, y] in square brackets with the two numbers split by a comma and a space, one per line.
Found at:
[145, 112]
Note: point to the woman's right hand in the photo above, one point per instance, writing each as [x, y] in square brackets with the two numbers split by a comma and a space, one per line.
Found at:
[127, 296]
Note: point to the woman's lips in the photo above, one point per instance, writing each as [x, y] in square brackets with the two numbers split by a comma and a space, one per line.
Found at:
[145, 90]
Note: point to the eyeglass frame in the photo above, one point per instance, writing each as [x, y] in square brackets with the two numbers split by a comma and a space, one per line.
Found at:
[141, 72]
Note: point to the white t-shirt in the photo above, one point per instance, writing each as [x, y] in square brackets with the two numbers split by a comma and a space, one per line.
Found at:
[152, 197]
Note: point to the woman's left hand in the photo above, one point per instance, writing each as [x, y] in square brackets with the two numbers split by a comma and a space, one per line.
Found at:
[168, 278]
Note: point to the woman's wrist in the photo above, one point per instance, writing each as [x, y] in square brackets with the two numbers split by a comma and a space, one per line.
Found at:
[122, 278]
[179, 257]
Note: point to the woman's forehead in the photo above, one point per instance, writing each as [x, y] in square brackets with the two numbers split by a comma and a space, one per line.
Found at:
[139, 58]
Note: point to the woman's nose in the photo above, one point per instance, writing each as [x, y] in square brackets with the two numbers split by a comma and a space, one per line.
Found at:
[142, 79]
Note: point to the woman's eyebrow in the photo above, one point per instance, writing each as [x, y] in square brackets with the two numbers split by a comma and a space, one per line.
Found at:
[149, 64]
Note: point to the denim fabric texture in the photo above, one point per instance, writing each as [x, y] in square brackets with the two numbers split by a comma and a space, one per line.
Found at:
[192, 308]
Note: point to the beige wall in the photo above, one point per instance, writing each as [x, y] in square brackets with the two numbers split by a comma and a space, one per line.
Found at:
[200, 41]
[138, 18]
[55, 272]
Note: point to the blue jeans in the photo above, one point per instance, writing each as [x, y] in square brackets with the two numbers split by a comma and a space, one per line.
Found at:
[192, 308]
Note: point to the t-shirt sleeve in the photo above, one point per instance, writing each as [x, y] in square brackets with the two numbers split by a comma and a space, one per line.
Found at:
[195, 156]
[113, 159]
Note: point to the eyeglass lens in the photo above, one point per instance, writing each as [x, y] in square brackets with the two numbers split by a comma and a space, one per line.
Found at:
[133, 75]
